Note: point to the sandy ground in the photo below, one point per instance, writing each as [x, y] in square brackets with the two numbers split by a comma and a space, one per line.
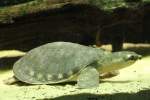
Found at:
[132, 83]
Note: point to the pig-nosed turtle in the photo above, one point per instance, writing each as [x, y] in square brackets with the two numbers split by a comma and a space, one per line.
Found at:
[59, 62]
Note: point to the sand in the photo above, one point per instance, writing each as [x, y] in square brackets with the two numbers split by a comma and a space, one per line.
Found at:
[133, 82]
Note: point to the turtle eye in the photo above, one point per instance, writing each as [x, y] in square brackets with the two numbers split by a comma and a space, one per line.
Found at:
[131, 57]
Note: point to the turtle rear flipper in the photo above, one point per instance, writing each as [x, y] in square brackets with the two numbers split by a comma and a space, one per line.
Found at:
[10, 80]
[88, 78]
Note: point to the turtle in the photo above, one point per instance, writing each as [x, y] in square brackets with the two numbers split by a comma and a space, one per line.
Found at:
[59, 62]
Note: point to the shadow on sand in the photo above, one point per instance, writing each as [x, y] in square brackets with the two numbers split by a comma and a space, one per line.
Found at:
[7, 63]
[142, 95]
[144, 51]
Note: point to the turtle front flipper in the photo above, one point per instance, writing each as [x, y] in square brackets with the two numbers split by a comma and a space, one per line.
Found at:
[88, 78]
[10, 80]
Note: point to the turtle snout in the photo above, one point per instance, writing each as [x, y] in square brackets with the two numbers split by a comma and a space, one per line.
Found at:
[134, 57]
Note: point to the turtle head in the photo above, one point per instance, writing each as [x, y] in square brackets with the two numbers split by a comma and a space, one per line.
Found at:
[125, 56]
[118, 60]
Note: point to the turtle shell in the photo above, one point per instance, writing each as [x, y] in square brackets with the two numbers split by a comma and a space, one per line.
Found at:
[53, 62]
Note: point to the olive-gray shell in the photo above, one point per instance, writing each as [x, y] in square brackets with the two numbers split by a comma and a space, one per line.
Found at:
[53, 62]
